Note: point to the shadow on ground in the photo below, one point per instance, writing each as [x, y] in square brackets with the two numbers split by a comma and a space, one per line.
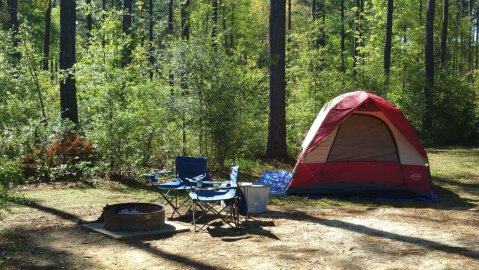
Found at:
[361, 229]
[19, 255]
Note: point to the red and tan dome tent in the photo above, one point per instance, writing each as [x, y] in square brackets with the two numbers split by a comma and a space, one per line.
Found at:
[361, 143]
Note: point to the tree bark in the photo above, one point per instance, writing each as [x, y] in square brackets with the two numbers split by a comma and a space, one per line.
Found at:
[14, 25]
[357, 35]
[445, 16]
[89, 21]
[171, 77]
[289, 15]
[223, 22]
[68, 100]
[232, 32]
[103, 8]
[469, 40]
[150, 36]
[387, 39]
[126, 29]
[342, 48]
[185, 20]
[46, 36]
[317, 13]
[214, 17]
[276, 147]
[477, 38]
[429, 64]
[170, 17]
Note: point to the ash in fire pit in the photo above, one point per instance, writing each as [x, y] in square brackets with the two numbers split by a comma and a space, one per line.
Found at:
[133, 217]
[129, 212]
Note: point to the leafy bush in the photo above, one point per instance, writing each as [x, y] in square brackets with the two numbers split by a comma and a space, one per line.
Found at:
[10, 174]
[69, 155]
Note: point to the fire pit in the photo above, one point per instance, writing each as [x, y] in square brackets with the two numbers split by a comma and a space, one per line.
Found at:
[133, 217]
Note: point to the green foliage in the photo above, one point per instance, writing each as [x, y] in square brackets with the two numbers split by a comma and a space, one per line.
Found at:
[10, 174]
[206, 100]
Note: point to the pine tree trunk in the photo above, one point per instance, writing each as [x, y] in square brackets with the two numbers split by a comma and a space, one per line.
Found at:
[103, 7]
[357, 36]
[276, 147]
[89, 21]
[185, 20]
[469, 40]
[126, 29]
[46, 36]
[361, 19]
[170, 17]
[445, 17]
[14, 25]
[171, 77]
[343, 48]
[477, 38]
[214, 18]
[289, 15]
[388, 40]
[429, 63]
[68, 100]
[232, 32]
[317, 13]
[150, 34]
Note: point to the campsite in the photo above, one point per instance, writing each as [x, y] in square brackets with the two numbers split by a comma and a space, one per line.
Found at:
[239, 134]
[295, 233]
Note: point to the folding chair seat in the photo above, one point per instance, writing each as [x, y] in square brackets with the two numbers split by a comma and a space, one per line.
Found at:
[188, 171]
[207, 200]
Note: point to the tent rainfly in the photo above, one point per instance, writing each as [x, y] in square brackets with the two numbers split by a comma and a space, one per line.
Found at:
[361, 144]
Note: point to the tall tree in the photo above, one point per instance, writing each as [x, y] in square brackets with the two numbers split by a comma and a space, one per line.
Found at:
[171, 78]
[342, 34]
[445, 16]
[46, 36]
[387, 40]
[214, 17]
[469, 39]
[276, 147]
[357, 33]
[126, 29]
[477, 37]
[319, 14]
[68, 99]
[289, 15]
[150, 38]
[89, 21]
[429, 63]
[103, 8]
[185, 19]
[225, 28]
[14, 25]
[232, 27]
[170, 17]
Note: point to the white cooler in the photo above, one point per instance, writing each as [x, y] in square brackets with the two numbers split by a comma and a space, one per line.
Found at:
[256, 196]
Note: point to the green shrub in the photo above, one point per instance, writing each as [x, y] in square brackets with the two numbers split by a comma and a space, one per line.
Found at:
[10, 174]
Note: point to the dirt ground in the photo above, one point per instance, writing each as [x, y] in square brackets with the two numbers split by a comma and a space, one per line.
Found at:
[41, 232]
[43, 235]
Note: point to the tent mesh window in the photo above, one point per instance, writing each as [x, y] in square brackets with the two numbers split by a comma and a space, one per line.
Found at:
[363, 138]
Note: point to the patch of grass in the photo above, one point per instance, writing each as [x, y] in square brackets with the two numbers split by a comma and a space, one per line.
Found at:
[455, 173]
[455, 176]
[10, 234]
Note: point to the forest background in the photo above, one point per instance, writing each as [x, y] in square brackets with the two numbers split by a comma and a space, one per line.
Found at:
[142, 81]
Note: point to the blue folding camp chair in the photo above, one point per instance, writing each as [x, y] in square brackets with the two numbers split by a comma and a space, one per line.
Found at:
[207, 199]
[188, 171]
